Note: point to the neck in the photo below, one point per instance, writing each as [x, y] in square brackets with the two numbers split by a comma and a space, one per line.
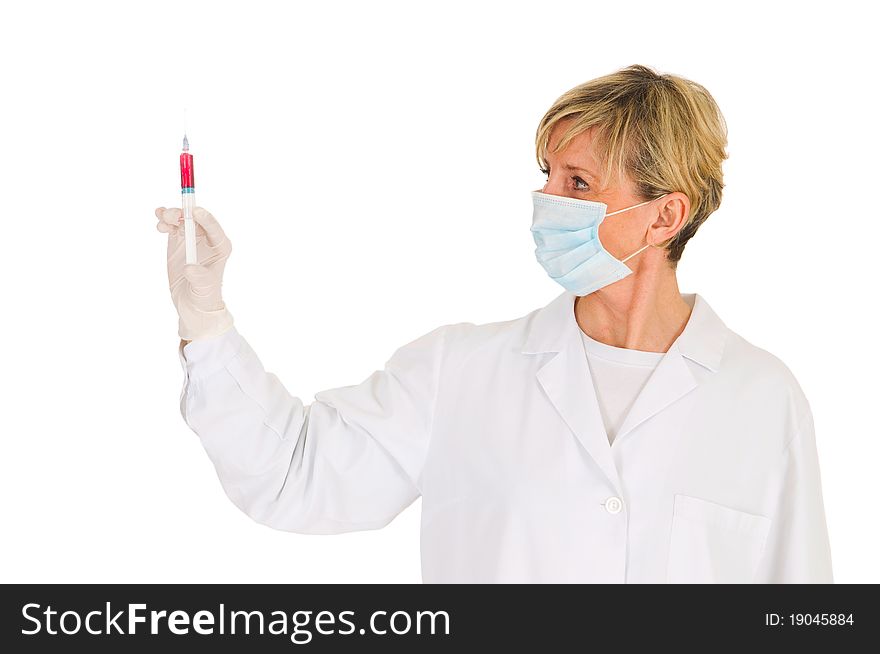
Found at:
[643, 311]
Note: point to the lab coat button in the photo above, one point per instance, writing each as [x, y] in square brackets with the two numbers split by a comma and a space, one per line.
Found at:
[613, 505]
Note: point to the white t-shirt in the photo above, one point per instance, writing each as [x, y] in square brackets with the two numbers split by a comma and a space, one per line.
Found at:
[619, 374]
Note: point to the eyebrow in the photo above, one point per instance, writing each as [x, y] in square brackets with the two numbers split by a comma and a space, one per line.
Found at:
[583, 170]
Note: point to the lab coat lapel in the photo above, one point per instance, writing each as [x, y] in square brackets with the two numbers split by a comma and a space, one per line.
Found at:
[670, 380]
[567, 381]
[701, 341]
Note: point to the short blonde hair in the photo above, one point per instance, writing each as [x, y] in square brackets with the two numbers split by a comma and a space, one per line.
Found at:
[663, 132]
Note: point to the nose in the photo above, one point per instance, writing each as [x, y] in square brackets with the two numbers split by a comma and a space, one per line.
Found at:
[553, 187]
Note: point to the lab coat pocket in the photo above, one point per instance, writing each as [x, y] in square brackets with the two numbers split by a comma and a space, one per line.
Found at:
[712, 543]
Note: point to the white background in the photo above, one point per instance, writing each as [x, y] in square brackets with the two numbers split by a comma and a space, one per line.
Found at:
[371, 163]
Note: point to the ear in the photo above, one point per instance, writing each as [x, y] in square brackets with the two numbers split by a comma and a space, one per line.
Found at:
[672, 211]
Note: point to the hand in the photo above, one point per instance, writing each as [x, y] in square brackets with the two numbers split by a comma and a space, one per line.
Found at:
[195, 288]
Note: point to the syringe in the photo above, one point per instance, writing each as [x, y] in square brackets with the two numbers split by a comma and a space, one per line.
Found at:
[188, 199]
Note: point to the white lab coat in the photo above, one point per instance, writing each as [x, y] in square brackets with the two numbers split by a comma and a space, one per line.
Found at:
[713, 476]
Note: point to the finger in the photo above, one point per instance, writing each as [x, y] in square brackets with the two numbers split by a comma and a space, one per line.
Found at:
[164, 227]
[171, 216]
[213, 231]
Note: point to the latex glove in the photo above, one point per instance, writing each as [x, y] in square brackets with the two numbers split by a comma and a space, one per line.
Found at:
[195, 288]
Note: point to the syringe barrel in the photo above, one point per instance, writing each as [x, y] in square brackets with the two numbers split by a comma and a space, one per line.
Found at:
[188, 203]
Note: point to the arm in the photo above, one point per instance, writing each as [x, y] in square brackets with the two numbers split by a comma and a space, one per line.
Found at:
[798, 549]
[350, 460]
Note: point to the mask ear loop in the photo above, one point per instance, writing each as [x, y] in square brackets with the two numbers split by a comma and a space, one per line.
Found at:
[641, 249]
[640, 204]
[644, 247]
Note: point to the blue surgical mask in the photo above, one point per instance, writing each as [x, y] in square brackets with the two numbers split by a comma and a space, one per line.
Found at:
[566, 232]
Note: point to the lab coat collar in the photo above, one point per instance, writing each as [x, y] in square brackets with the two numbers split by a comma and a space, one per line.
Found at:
[702, 339]
[567, 381]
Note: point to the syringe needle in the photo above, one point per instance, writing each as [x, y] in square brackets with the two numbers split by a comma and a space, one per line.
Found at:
[185, 141]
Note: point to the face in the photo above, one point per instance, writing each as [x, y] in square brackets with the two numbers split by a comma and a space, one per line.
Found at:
[573, 173]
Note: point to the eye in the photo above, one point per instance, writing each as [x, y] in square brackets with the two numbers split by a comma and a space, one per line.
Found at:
[577, 180]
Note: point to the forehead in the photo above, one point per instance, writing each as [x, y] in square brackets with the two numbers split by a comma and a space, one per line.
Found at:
[579, 150]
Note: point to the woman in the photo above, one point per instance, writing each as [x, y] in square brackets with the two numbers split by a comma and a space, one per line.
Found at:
[622, 433]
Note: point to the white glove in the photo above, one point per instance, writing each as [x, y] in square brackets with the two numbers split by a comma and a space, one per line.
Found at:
[195, 288]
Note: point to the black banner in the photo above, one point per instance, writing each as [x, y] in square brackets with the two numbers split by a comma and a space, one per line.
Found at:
[105, 618]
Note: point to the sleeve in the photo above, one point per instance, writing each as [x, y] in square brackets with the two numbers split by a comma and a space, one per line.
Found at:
[351, 460]
[797, 549]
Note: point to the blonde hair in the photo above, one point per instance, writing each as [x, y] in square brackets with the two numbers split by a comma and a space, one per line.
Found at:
[663, 132]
